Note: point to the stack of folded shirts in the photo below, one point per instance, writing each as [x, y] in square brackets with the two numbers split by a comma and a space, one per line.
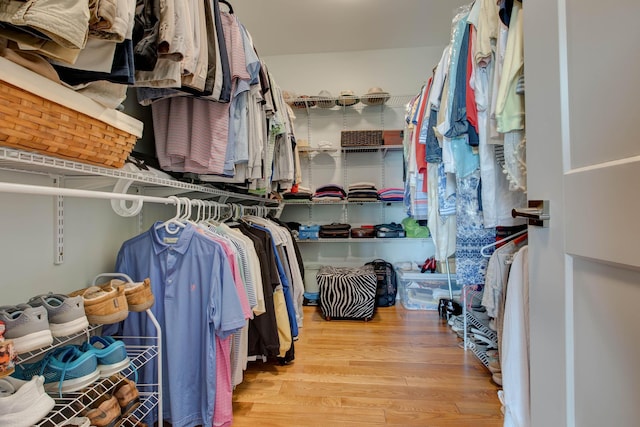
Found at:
[391, 194]
[362, 192]
[329, 192]
[300, 193]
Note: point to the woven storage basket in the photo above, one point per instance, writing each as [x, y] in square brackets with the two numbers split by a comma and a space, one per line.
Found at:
[42, 116]
[358, 138]
[32, 123]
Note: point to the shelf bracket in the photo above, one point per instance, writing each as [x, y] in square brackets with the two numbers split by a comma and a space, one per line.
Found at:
[58, 224]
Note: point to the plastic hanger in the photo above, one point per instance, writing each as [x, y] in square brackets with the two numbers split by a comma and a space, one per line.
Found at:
[175, 221]
[187, 210]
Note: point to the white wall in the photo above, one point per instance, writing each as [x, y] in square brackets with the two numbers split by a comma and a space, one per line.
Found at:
[397, 71]
[93, 234]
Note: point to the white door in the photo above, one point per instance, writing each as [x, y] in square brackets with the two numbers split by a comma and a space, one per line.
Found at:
[582, 77]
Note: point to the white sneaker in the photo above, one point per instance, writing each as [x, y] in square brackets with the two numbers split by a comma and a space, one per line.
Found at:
[78, 422]
[22, 405]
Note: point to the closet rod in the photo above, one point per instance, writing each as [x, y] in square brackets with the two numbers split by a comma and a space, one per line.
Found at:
[6, 187]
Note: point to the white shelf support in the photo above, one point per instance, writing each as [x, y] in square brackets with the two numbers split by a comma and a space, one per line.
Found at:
[58, 225]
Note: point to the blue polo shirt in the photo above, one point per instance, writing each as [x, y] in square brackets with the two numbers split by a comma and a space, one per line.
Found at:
[195, 300]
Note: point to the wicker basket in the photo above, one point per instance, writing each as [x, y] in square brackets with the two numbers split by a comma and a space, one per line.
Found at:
[39, 115]
[32, 123]
[359, 138]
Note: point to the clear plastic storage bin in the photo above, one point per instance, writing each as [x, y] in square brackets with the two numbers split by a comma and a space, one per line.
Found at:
[422, 291]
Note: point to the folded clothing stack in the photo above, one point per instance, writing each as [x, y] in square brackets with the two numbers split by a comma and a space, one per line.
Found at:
[362, 192]
[391, 194]
[329, 192]
[300, 193]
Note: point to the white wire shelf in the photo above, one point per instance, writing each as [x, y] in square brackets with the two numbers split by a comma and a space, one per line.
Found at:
[57, 342]
[311, 103]
[374, 240]
[339, 203]
[358, 149]
[24, 161]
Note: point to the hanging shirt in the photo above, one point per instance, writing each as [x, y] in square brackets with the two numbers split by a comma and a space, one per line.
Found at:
[263, 329]
[196, 300]
[487, 26]
[510, 105]
[286, 286]
[514, 352]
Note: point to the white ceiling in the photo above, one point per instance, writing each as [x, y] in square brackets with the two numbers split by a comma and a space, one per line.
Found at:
[285, 27]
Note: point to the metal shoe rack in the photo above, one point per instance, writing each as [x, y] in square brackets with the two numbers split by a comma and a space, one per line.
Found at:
[71, 405]
[471, 321]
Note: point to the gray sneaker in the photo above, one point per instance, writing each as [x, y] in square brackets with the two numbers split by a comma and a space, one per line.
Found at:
[27, 326]
[66, 314]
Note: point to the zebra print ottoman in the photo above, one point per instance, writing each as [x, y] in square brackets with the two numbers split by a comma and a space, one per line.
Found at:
[347, 292]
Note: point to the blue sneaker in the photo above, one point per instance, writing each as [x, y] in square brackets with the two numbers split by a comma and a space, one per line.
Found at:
[64, 369]
[111, 354]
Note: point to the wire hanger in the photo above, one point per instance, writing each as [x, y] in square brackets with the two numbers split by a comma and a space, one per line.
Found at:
[228, 5]
[499, 242]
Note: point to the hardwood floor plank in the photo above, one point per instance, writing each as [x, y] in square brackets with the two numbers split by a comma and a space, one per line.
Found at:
[404, 405]
[330, 415]
[403, 368]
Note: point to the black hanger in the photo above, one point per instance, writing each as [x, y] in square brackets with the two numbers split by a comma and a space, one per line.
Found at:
[228, 4]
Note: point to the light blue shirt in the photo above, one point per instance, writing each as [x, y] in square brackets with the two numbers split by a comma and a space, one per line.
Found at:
[195, 300]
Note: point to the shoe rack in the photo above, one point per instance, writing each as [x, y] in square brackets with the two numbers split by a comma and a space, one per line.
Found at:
[471, 321]
[70, 405]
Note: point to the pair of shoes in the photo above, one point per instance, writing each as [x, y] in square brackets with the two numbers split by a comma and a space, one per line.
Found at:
[103, 411]
[103, 305]
[66, 314]
[32, 326]
[111, 302]
[23, 404]
[111, 354]
[27, 327]
[494, 366]
[457, 326]
[497, 378]
[65, 369]
[109, 408]
[493, 353]
[138, 294]
[126, 392]
[452, 319]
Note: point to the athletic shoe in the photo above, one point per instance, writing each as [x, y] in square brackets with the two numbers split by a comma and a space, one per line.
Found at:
[23, 404]
[78, 422]
[104, 305]
[65, 369]
[66, 314]
[139, 295]
[111, 354]
[27, 326]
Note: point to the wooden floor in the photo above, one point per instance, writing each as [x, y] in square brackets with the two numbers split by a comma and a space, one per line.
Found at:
[403, 368]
